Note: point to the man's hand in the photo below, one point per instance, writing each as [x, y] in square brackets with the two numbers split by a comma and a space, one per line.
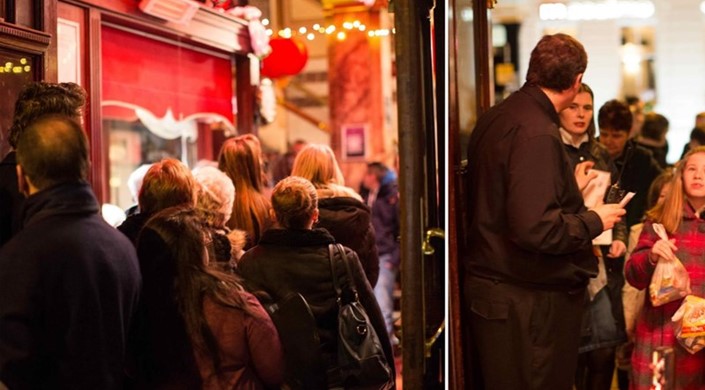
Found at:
[609, 214]
[583, 174]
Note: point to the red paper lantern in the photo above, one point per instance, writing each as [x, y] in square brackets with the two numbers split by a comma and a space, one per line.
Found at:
[288, 57]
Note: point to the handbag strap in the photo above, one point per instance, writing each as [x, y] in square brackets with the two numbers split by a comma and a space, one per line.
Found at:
[331, 257]
[336, 284]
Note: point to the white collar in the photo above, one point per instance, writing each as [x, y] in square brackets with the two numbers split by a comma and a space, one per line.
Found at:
[567, 138]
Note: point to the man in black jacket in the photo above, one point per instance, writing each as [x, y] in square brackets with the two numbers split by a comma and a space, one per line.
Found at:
[35, 100]
[69, 282]
[529, 255]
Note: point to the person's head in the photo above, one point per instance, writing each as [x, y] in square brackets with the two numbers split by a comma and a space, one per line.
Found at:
[687, 185]
[655, 127]
[700, 120]
[557, 63]
[38, 99]
[578, 118]
[376, 172]
[615, 122]
[188, 275]
[697, 137]
[52, 150]
[298, 145]
[240, 159]
[167, 183]
[659, 188]
[216, 194]
[317, 164]
[134, 181]
[295, 203]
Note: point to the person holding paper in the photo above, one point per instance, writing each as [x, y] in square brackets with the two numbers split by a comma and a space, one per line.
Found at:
[603, 322]
[637, 166]
[681, 215]
[529, 250]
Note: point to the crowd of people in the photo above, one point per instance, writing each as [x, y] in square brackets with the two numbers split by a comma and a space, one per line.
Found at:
[556, 265]
[179, 295]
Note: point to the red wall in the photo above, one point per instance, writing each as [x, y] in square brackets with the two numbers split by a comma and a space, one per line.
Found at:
[158, 75]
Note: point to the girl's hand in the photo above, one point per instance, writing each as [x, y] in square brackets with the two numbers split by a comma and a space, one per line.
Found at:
[662, 249]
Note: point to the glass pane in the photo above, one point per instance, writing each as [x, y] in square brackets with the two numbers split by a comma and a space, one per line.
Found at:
[467, 113]
[133, 144]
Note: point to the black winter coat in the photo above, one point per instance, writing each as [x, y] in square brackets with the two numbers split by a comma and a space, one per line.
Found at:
[528, 223]
[11, 200]
[69, 285]
[639, 169]
[297, 261]
[385, 219]
[349, 221]
[132, 226]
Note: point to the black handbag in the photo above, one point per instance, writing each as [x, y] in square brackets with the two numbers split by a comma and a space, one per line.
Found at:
[361, 360]
[305, 368]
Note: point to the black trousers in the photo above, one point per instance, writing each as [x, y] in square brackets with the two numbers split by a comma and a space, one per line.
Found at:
[521, 338]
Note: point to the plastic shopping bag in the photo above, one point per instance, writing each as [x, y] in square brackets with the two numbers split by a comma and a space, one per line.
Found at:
[670, 280]
[690, 323]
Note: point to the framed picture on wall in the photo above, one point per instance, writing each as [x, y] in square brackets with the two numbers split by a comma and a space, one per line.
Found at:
[354, 141]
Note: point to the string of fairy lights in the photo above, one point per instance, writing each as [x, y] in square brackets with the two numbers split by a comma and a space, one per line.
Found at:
[339, 32]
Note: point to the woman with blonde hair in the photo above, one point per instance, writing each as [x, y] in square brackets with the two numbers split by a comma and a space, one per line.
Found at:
[295, 257]
[251, 208]
[342, 211]
[681, 215]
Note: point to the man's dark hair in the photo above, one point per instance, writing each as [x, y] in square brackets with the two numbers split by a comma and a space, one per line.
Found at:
[40, 98]
[632, 100]
[378, 169]
[655, 126]
[53, 150]
[615, 115]
[698, 135]
[556, 61]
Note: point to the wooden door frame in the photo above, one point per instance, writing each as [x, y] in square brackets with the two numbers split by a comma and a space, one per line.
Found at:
[459, 376]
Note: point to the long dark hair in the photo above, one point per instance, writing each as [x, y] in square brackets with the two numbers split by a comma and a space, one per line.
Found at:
[186, 237]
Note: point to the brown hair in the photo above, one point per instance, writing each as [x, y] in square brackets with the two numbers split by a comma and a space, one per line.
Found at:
[38, 99]
[655, 126]
[615, 115]
[241, 162]
[656, 186]
[53, 150]
[294, 200]
[556, 61]
[317, 164]
[182, 230]
[167, 183]
[670, 212]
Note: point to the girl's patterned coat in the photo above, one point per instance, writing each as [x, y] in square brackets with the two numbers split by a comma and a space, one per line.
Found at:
[654, 327]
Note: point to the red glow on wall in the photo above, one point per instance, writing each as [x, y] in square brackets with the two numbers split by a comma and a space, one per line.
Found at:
[158, 75]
